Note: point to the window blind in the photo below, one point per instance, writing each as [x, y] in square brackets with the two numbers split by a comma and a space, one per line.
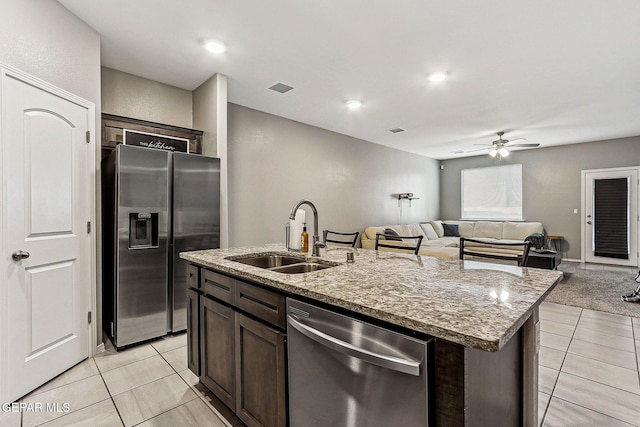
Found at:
[611, 218]
[492, 193]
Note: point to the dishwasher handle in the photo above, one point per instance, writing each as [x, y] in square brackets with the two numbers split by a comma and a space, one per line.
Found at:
[410, 367]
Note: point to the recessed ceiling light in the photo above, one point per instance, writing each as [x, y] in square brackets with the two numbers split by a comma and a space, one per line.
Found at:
[437, 77]
[215, 46]
[397, 130]
[354, 104]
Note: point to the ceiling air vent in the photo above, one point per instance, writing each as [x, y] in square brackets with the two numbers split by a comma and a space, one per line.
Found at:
[396, 130]
[281, 88]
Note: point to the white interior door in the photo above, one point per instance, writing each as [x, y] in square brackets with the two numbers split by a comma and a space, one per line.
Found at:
[47, 203]
[598, 230]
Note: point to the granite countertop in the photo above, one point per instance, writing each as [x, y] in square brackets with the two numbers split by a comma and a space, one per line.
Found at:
[475, 304]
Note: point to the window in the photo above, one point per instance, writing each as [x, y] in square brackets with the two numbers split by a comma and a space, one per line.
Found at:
[492, 193]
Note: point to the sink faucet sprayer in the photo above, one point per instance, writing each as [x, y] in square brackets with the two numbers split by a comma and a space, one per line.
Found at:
[317, 244]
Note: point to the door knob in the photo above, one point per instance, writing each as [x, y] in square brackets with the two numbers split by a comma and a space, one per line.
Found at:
[588, 222]
[19, 255]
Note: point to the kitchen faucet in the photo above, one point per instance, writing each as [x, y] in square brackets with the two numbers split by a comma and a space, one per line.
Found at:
[317, 244]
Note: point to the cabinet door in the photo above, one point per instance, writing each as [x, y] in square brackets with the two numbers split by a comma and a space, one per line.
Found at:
[193, 332]
[217, 350]
[260, 374]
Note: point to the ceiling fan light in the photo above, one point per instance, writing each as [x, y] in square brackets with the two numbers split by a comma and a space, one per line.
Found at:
[503, 152]
[493, 152]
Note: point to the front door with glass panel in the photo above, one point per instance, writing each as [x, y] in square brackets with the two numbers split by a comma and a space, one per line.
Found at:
[611, 216]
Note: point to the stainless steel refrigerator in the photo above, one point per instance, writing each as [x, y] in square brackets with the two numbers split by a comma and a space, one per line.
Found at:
[155, 205]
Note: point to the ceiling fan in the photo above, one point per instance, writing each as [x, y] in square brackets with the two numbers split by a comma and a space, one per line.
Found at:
[499, 147]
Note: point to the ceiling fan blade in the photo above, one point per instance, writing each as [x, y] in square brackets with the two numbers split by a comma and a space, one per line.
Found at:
[524, 145]
[478, 149]
[511, 141]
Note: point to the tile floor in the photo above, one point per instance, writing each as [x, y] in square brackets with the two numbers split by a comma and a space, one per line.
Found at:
[147, 385]
[588, 368]
[588, 377]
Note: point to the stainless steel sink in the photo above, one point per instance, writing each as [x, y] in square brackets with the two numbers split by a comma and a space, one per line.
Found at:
[305, 267]
[270, 261]
[287, 264]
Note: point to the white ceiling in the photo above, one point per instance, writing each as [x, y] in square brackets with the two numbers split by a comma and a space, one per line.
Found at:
[553, 72]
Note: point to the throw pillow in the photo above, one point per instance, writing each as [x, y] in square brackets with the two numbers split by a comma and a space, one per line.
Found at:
[390, 233]
[437, 227]
[451, 230]
[428, 231]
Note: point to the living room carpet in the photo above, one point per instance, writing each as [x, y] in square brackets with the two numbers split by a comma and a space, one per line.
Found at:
[596, 287]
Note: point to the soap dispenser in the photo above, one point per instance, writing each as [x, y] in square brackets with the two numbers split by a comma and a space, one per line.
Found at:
[304, 238]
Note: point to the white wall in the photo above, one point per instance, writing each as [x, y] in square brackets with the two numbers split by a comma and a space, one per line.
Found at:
[44, 39]
[274, 162]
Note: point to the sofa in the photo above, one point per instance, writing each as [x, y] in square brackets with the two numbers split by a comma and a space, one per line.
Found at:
[439, 244]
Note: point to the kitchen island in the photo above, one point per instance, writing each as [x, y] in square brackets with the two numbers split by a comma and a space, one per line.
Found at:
[483, 317]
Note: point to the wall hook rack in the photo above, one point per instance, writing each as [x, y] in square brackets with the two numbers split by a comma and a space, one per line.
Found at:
[406, 196]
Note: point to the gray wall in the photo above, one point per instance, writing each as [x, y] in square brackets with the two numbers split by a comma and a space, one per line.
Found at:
[551, 182]
[204, 115]
[127, 95]
[210, 116]
[274, 162]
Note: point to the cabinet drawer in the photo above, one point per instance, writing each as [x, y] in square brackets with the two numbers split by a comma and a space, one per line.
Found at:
[217, 285]
[262, 303]
[192, 277]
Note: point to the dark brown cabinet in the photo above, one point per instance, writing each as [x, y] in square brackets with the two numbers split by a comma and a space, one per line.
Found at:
[113, 127]
[193, 277]
[265, 305]
[238, 335]
[260, 373]
[193, 331]
[218, 286]
[217, 350]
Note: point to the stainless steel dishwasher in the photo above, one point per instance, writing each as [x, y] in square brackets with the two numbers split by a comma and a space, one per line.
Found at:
[347, 373]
